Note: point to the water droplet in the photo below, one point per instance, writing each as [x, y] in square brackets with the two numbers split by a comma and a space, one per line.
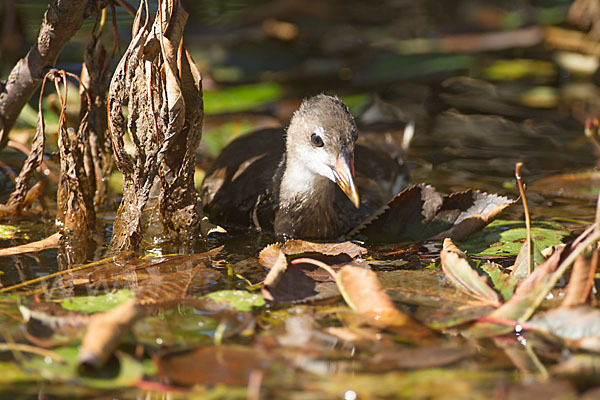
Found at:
[350, 395]
[518, 328]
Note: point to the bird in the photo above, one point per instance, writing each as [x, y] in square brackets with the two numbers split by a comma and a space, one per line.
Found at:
[301, 182]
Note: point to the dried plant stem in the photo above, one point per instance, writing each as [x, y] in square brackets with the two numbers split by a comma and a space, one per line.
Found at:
[331, 272]
[527, 218]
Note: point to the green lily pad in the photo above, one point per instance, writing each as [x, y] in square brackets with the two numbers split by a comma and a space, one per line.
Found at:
[241, 300]
[100, 303]
[127, 373]
[241, 98]
[504, 238]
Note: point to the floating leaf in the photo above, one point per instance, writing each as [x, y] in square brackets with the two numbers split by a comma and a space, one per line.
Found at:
[98, 303]
[302, 283]
[241, 300]
[370, 301]
[127, 373]
[505, 238]
[269, 255]
[522, 303]
[464, 275]
[420, 212]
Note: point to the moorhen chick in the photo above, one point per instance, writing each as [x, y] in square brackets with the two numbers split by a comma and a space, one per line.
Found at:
[301, 183]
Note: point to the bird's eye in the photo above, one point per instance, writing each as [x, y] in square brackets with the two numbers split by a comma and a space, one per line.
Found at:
[316, 140]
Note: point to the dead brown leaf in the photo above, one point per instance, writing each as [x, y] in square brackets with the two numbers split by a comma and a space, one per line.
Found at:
[465, 277]
[371, 302]
[105, 330]
[581, 281]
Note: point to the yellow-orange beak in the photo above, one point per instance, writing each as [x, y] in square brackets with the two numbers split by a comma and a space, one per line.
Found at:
[344, 176]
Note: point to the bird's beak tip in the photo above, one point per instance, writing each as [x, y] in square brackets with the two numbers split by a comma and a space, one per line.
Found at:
[344, 177]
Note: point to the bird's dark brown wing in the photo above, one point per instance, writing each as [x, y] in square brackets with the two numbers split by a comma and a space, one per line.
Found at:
[242, 177]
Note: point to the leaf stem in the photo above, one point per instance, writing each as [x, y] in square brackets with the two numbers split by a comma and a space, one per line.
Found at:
[527, 219]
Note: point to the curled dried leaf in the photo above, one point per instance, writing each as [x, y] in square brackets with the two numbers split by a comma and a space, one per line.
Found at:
[465, 277]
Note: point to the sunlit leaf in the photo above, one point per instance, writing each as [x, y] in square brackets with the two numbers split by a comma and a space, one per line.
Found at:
[420, 212]
[463, 274]
[503, 282]
[372, 303]
[504, 238]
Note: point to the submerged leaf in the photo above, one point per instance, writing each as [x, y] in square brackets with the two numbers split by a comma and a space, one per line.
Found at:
[227, 365]
[418, 357]
[465, 277]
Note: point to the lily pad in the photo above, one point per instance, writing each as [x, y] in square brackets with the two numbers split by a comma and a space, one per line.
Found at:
[504, 238]
[126, 373]
[241, 300]
[101, 303]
